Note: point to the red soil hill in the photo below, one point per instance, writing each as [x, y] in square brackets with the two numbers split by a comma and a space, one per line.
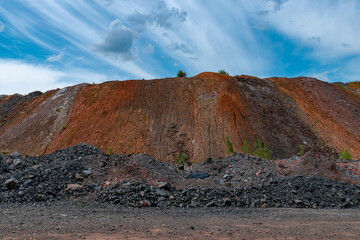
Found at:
[163, 117]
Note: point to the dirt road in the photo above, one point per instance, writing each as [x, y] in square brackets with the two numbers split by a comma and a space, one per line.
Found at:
[94, 221]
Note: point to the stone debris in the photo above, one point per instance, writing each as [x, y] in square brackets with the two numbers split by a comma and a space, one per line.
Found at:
[84, 173]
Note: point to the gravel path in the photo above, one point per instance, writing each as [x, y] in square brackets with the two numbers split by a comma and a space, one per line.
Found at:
[67, 220]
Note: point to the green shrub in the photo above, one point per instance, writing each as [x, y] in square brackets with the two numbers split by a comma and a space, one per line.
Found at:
[229, 147]
[261, 150]
[110, 151]
[181, 73]
[222, 71]
[245, 148]
[346, 155]
[302, 149]
[183, 157]
[63, 127]
[4, 152]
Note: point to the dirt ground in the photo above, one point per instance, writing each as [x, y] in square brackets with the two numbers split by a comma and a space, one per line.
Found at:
[94, 221]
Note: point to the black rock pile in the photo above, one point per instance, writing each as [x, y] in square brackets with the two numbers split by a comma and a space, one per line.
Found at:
[45, 178]
[80, 172]
[300, 191]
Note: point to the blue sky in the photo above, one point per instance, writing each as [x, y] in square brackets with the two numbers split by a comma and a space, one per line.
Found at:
[46, 44]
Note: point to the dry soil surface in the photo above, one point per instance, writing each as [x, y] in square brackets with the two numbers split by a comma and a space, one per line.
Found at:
[67, 220]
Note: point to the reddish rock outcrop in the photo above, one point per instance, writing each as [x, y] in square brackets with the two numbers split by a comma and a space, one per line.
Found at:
[163, 117]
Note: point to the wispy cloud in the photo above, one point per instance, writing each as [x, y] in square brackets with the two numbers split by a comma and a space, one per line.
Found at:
[147, 39]
[330, 21]
[56, 57]
[180, 47]
[278, 4]
[345, 45]
[161, 16]
[2, 27]
[315, 39]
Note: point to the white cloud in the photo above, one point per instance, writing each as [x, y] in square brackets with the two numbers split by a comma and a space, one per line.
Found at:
[2, 27]
[20, 77]
[56, 57]
[117, 40]
[23, 78]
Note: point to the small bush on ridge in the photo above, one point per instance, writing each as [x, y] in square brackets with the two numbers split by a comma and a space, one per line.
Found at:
[222, 71]
[181, 73]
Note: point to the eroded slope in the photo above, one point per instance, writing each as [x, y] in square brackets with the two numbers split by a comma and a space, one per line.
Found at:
[166, 116]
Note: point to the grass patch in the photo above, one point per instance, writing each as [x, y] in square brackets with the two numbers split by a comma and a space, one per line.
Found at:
[183, 158]
[260, 151]
[302, 149]
[346, 155]
[229, 147]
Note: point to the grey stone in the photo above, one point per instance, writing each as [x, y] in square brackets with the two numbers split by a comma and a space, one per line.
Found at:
[12, 183]
[165, 185]
[161, 192]
[200, 175]
[15, 154]
[86, 173]
[17, 162]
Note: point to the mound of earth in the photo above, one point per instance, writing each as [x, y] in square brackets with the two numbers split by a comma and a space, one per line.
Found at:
[84, 173]
[163, 117]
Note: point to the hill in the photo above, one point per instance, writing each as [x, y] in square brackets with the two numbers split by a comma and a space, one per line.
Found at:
[164, 117]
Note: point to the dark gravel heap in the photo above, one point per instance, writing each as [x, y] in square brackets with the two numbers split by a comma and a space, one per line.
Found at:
[239, 170]
[45, 178]
[300, 191]
[79, 173]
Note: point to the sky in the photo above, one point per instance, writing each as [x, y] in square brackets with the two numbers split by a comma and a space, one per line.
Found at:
[48, 44]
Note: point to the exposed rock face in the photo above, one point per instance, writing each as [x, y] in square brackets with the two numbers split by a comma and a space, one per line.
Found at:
[163, 117]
